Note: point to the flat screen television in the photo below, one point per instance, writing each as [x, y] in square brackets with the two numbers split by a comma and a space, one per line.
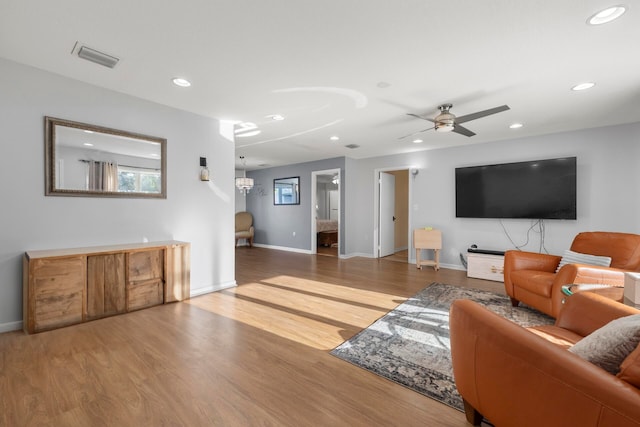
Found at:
[540, 189]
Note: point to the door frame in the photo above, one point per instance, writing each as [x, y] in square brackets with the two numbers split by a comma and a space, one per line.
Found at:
[314, 202]
[376, 208]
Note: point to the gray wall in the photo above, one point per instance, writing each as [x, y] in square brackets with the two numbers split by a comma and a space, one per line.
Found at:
[194, 211]
[275, 225]
[608, 188]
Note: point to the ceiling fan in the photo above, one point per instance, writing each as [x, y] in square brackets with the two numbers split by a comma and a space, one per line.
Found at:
[447, 122]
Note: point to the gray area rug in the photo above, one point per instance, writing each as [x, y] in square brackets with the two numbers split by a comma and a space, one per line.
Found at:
[410, 345]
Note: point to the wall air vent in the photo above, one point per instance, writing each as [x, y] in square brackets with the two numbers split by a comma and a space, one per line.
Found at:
[352, 146]
[96, 56]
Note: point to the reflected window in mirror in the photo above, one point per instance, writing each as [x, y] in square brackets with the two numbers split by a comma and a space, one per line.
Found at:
[286, 191]
[88, 160]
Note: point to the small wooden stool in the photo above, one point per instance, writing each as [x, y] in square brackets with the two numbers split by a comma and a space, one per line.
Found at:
[427, 239]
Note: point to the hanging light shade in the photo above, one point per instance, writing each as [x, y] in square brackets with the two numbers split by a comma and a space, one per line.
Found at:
[243, 183]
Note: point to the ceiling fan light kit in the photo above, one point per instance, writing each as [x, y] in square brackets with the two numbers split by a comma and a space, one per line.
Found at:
[447, 122]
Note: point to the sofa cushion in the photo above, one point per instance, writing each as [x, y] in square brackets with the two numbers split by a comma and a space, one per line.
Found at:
[630, 368]
[571, 257]
[610, 345]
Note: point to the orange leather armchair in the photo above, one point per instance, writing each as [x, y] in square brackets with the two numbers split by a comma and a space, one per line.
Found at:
[531, 277]
[523, 377]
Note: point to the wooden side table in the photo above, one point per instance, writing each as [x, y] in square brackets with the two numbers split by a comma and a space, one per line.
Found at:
[427, 239]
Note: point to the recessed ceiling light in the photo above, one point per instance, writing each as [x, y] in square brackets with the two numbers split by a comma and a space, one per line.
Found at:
[515, 126]
[607, 15]
[88, 144]
[334, 138]
[417, 141]
[583, 86]
[179, 81]
[276, 117]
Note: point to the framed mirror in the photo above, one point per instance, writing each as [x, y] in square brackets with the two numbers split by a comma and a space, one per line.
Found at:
[88, 160]
[286, 191]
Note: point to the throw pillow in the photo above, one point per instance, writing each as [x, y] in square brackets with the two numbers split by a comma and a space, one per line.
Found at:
[608, 346]
[570, 257]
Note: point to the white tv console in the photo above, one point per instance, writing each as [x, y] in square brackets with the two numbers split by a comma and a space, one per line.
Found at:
[485, 266]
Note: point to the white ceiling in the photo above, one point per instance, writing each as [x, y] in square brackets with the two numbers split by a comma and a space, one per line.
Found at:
[321, 65]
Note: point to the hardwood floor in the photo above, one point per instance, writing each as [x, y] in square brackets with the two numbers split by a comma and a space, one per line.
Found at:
[257, 354]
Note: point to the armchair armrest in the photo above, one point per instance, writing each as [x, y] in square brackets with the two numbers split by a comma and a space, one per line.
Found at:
[494, 360]
[581, 273]
[585, 312]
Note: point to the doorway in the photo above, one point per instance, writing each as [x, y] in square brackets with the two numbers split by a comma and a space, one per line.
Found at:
[325, 213]
[393, 215]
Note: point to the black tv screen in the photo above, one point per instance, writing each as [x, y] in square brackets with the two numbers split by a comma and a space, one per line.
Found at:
[540, 189]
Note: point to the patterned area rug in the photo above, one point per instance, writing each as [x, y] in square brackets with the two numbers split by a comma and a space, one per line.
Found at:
[410, 345]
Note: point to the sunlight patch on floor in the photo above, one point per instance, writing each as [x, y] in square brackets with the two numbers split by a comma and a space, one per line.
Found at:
[287, 306]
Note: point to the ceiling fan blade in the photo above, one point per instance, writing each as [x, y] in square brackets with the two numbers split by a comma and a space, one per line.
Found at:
[415, 133]
[480, 114]
[462, 130]
[420, 117]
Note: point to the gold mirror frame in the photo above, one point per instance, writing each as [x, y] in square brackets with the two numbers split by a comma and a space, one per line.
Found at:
[112, 138]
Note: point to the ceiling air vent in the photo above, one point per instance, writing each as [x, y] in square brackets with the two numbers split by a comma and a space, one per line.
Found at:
[352, 146]
[95, 56]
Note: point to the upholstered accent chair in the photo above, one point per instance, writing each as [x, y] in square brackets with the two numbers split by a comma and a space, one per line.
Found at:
[531, 277]
[527, 377]
[244, 227]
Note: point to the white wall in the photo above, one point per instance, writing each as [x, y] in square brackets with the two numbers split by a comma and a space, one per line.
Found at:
[194, 211]
[608, 191]
[241, 199]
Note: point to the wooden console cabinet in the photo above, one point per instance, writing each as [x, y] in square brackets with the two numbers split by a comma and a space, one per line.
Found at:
[68, 286]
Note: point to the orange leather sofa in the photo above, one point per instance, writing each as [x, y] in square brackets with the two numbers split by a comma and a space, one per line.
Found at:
[522, 377]
[531, 277]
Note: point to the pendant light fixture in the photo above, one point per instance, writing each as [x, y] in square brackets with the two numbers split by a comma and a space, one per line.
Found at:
[243, 183]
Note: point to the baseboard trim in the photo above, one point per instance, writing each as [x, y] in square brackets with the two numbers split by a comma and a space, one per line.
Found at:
[357, 254]
[10, 326]
[283, 248]
[210, 289]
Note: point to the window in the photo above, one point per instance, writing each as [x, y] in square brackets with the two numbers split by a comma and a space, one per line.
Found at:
[138, 180]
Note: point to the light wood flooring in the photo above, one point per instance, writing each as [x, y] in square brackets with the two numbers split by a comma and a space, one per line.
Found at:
[257, 354]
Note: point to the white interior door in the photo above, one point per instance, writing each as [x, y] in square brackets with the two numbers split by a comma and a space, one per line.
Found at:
[387, 209]
[334, 205]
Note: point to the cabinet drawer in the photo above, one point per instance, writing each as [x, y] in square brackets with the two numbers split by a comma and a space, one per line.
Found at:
[58, 292]
[146, 265]
[144, 294]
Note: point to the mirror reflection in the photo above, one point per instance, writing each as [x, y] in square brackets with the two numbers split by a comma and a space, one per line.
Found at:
[286, 191]
[96, 161]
